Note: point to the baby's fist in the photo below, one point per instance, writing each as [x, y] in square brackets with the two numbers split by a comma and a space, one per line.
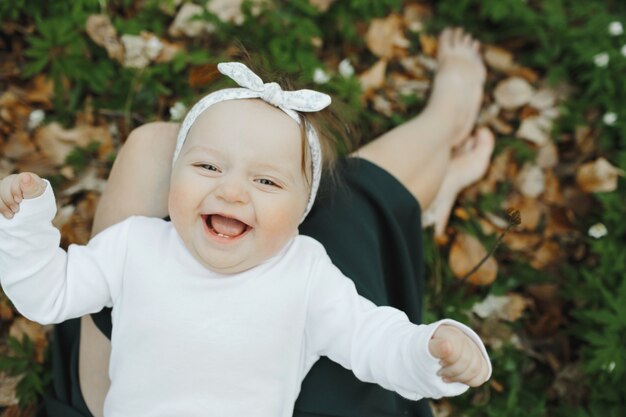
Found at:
[460, 358]
[17, 187]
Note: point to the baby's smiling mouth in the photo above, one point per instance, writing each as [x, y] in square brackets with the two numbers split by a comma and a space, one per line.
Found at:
[225, 227]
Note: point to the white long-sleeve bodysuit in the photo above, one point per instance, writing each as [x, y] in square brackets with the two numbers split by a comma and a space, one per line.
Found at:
[190, 342]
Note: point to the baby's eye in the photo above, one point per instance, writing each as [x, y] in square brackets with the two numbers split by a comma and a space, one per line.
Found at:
[208, 167]
[265, 181]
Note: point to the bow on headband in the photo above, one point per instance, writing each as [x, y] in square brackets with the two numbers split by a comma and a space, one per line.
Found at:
[288, 101]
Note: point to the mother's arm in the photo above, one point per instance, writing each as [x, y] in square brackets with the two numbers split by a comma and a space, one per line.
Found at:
[138, 185]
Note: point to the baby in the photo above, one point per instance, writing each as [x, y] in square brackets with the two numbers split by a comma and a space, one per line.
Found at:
[224, 310]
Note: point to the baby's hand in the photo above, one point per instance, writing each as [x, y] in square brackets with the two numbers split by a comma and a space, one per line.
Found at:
[15, 188]
[461, 359]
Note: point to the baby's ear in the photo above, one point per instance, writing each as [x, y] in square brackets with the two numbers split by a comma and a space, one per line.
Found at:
[31, 185]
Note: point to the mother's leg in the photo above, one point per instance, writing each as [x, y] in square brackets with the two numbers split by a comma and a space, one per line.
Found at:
[138, 185]
[418, 152]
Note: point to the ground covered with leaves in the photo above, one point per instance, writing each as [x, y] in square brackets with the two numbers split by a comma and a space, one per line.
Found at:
[550, 301]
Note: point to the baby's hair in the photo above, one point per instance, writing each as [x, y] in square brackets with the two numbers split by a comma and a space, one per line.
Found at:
[333, 133]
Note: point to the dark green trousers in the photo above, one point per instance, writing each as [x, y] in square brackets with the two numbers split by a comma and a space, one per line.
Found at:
[370, 226]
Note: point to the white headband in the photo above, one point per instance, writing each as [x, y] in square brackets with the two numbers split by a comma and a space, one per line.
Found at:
[288, 101]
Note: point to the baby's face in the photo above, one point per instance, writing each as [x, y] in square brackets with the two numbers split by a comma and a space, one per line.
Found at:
[237, 190]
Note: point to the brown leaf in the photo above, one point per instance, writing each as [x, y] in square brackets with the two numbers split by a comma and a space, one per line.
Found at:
[561, 221]
[19, 411]
[502, 167]
[35, 332]
[548, 253]
[8, 397]
[6, 167]
[78, 228]
[56, 143]
[40, 91]
[414, 67]
[513, 93]
[6, 311]
[169, 51]
[321, 5]
[385, 35]
[38, 163]
[598, 176]
[229, 11]
[548, 156]
[504, 307]
[525, 73]
[498, 58]
[522, 242]
[553, 193]
[89, 181]
[382, 105]
[140, 51]
[535, 129]
[466, 252]
[19, 145]
[429, 45]
[531, 210]
[531, 180]
[415, 14]
[374, 77]
[100, 29]
[185, 23]
[13, 108]
[543, 99]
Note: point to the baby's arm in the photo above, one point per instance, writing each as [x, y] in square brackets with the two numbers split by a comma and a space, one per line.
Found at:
[45, 283]
[380, 344]
[17, 187]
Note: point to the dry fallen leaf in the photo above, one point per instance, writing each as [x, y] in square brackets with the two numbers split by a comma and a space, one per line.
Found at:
[8, 384]
[466, 252]
[6, 168]
[415, 14]
[382, 105]
[321, 5]
[56, 142]
[531, 180]
[522, 242]
[548, 253]
[548, 156]
[78, 228]
[140, 50]
[535, 129]
[553, 193]
[504, 307]
[429, 45]
[531, 210]
[385, 35]
[100, 29]
[89, 181]
[598, 176]
[35, 332]
[374, 77]
[186, 24]
[229, 11]
[19, 145]
[543, 99]
[498, 58]
[513, 93]
[40, 91]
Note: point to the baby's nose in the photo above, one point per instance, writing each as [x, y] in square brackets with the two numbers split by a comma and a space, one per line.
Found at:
[232, 191]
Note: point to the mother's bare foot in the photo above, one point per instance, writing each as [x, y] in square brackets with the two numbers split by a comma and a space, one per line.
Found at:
[458, 86]
[467, 166]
